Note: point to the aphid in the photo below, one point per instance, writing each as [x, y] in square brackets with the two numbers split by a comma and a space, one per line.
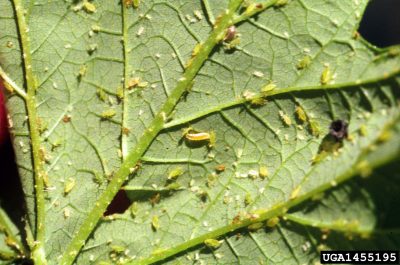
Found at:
[248, 199]
[281, 3]
[82, 71]
[285, 118]
[46, 180]
[364, 168]
[213, 243]
[304, 63]
[301, 114]
[10, 44]
[258, 74]
[67, 213]
[295, 192]
[43, 155]
[155, 199]
[231, 38]
[69, 185]
[196, 49]
[89, 7]
[255, 226]
[155, 223]
[356, 35]
[211, 179]
[258, 101]
[272, 222]
[143, 84]
[108, 114]
[118, 249]
[98, 178]
[326, 76]
[268, 88]
[134, 209]
[125, 131]
[42, 126]
[133, 82]
[136, 3]
[198, 15]
[92, 48]
[385, 136]
[175, 173]
[314, 128]
[173, 186]
[140, 31]
[263, 172]
[128, 3]
[253, 174]
[101, 94]
[230, 34]
[220, 168]
[338, 129]
[363, 130]
[248, 95]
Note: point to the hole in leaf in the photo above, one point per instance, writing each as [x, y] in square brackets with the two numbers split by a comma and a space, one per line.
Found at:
[380, 24]
[119, 204]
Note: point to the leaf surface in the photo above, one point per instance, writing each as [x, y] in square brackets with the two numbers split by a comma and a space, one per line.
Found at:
[101, 99]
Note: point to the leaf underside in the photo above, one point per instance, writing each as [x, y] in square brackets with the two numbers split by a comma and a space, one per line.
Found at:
[102, 77]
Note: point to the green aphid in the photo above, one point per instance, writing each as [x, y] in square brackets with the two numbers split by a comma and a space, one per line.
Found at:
[304, 63]
[134, 209]
[248, 199]
[102, 94]
[212, 243]
[301, 114]
[255, 226]
[268, 88]
[155, 223]
[281, 3]
[57, 143]
[258, 101]
[108, 114]
[326, 76]
[117, 249]
[98, 178]
[213, 139]
[196, 49]
[363, 130]
[211, 180]
[41, 125]
[319, 157]
[263, 172]
[103, 263]
[272, 222]
[69, 185]
[175, 173]
[285, 118]
[82, 71]
[314, 128]
[136, 3]
[89, 7]
[364, 168]
[120, 93]
[174, 186]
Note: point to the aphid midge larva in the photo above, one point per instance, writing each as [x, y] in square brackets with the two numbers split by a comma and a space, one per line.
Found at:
[196, 137]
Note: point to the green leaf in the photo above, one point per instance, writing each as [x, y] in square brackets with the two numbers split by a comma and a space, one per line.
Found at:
[114, 94]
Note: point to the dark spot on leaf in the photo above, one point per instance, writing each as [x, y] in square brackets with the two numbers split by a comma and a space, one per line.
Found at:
[338, 130]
